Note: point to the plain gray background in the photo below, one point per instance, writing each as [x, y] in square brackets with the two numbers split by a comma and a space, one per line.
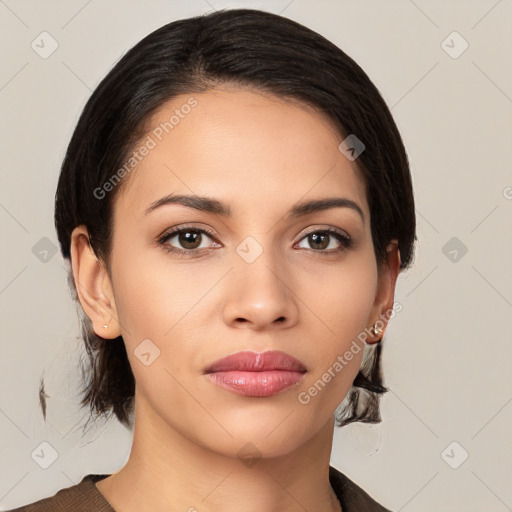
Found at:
[446, 354]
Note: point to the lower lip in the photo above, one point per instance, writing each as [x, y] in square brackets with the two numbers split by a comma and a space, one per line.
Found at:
[264, 383]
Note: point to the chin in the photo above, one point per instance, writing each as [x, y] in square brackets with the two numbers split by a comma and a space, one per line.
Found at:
[258, 435]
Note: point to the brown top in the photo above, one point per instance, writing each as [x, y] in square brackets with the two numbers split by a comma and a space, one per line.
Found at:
[86, 497]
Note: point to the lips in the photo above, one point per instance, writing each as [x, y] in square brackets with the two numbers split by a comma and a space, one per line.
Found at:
[256, 374]
[257, 362]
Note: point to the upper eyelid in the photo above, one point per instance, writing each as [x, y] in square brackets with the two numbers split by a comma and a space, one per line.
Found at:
[175, 231]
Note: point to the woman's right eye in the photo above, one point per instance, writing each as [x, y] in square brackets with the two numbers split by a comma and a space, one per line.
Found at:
[188, 239]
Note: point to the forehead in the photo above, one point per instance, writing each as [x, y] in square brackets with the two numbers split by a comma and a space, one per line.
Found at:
[244, 147]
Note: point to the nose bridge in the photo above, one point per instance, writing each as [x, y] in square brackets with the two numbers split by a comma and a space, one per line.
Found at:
[260, 290]
[259, 265]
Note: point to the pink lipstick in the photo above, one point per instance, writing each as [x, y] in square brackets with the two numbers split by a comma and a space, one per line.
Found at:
[256, 374]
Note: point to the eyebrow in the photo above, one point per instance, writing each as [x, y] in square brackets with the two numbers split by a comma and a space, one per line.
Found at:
[209, 205]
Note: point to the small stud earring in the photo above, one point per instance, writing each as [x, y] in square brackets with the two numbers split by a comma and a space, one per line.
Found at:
[105, 326]
[377, 331]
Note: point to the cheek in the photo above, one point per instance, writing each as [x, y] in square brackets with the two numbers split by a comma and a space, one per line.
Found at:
[155, 304]
[343, 300]
[152, 295]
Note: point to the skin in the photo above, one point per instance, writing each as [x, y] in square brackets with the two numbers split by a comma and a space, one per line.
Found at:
[260, 155]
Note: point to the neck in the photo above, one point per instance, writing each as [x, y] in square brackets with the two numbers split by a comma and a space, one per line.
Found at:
[167, 469]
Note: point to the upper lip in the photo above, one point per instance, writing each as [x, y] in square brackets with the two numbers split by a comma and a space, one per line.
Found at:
[257, 362]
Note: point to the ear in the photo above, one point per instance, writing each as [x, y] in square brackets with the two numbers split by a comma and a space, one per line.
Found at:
[385, 296]
[93, 285]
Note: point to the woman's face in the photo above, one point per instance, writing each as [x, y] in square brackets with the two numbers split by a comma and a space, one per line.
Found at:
[257, 282]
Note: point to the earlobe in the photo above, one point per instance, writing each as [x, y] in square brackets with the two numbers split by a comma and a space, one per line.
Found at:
[384, 300]
[93, 285]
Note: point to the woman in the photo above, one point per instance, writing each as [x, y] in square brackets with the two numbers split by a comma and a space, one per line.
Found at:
[235, 205]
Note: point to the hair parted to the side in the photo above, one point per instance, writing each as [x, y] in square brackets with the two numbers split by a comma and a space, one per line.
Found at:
[247, 48]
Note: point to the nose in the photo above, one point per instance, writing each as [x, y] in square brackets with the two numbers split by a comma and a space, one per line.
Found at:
[260, 295]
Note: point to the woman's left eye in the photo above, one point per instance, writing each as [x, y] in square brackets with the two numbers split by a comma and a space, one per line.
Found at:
[322, 240]
[191, 240]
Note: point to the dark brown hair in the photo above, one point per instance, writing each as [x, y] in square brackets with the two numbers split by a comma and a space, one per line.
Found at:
[247, 48]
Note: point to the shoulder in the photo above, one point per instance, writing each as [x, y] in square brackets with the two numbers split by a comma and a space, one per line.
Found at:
[85, 496]
[352, 497]
[82, 497]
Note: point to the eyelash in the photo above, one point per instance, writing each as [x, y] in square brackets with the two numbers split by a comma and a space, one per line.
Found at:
[344, 239]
